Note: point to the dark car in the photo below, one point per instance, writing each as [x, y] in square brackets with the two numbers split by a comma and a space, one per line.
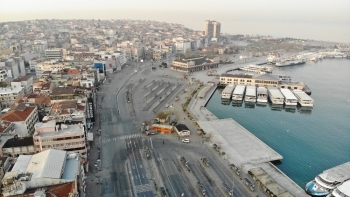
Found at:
[162, 190]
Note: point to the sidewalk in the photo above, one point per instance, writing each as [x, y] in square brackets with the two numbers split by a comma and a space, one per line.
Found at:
[93, 186]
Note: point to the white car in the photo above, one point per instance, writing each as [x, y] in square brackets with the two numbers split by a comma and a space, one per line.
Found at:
[186, 141]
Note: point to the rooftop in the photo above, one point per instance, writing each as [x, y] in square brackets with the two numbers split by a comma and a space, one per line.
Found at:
[10, 90]
[23, 78]
[53, 130]
[47, 164]
[18, 142]
[20, 114]
[241, 146]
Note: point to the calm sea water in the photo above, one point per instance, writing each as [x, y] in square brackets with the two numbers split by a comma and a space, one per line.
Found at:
[309, 141]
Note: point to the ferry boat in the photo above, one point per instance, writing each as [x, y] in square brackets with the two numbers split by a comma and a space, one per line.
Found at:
[272, 57]
[256, 69]
[303, 99]
[290, 62]
[324, 183]
[275, 96]
[289, 97]
[341, 191]
[238, 93]
[250, 94]
[261, 95]
[227, 92]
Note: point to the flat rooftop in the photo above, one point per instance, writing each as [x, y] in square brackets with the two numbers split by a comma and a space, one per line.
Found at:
[283, 180]
[240, 145]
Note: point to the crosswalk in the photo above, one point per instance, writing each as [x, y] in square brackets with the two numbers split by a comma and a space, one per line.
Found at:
[123, 137]
[143, 188]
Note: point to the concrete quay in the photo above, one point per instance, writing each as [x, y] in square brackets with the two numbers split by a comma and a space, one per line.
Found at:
[241, 147]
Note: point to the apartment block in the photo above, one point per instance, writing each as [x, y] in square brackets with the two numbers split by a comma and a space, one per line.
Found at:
[18, 146]
[9, 95]
[49, 135]
[57, 54]
[25, 82]
[23, 117]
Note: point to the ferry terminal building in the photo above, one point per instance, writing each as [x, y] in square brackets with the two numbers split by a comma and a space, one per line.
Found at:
[261, 80]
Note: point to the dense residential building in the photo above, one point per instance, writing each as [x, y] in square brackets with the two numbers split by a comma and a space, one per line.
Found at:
[3, 74]
[40, 87]
[59, 136]
[25, 82]
[18, 146]
[24, 118]
[39, 46]
[49, 173]
[57, 54]
[9, 94]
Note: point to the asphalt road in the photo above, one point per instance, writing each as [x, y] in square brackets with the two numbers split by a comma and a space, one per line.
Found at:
[124, 170]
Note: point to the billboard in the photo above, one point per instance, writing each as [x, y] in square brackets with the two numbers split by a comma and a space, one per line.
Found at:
[100, 66]
[90, 109]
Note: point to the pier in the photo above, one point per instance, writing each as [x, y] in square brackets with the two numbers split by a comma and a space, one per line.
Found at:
[242, 148]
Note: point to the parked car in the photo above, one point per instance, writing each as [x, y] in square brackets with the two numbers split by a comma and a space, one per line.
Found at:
[174, 123]
[186, 141]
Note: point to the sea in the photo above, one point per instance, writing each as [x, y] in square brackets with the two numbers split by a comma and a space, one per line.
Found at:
[310, 140]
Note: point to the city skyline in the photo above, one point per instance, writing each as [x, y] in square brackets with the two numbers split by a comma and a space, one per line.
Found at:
[248, 17]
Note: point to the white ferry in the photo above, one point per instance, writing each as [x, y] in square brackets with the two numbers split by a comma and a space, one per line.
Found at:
[290, 62]
[303, 99]
[238, 93]
[273, 57]
[289, 97]
[324, 183]
[275, 95]
[250, 94]
[227, 92]
[256, 69]
[262, 95]
[341, 191]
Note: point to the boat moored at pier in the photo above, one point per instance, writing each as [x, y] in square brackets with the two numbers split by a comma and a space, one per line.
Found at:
[326, 182]
[341, 191]
[303, 99]
[261, 95]
[275, 96]
[238, 93]
[227, 92]
[250, 94]
[289, 97]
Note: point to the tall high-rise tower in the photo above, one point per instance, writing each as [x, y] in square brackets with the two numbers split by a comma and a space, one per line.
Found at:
[212, 29]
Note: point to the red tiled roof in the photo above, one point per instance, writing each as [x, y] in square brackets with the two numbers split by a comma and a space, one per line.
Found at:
[23, 78]
[16, 115]
[46, 86]
[61, 190]
[73, 72]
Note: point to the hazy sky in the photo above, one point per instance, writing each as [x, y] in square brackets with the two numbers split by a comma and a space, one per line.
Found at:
[192, 13]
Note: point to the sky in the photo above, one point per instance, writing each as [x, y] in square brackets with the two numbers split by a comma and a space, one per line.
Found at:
[245, 16]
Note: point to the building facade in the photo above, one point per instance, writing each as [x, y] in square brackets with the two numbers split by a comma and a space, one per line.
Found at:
[25, 82]
[259, 80]
[212, 29]
[9, 95]
[55, 53]
[23, 117]
[48, 135]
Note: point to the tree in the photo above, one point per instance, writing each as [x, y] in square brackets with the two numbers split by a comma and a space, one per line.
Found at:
[162, 115]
